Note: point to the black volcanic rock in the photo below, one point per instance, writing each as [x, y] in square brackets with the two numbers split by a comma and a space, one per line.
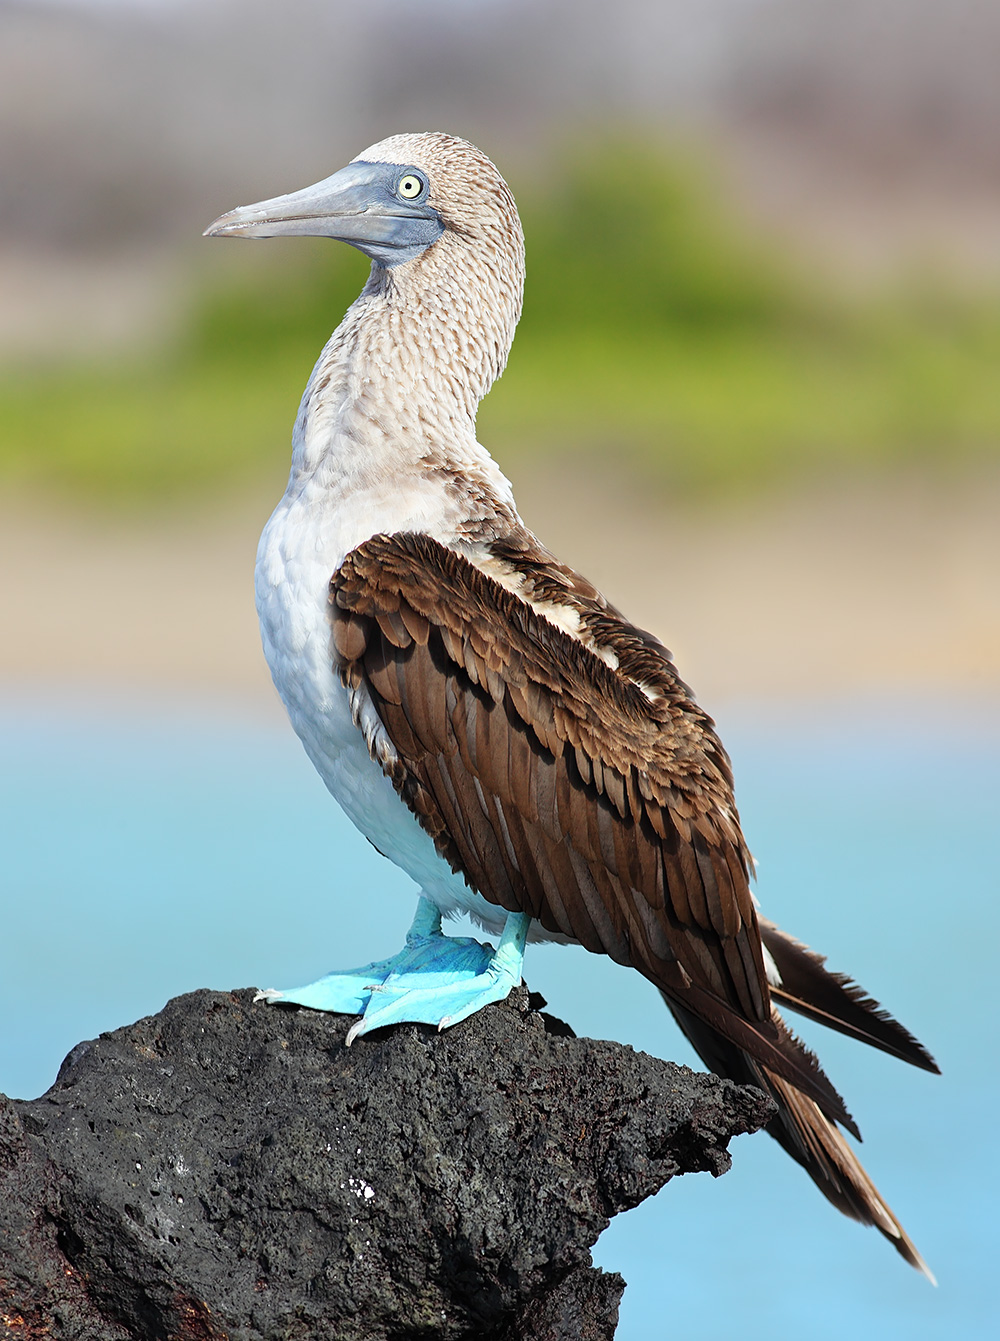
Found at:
[225, 1170]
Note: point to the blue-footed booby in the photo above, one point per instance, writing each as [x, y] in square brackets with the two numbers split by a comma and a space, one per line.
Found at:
[484, 716]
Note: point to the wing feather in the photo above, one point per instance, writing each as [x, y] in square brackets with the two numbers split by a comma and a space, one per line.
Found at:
[559, 786]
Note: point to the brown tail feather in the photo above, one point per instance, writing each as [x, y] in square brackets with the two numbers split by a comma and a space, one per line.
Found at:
[805, 1133]
[808, 987]
[777, 1048]
[814, 1141]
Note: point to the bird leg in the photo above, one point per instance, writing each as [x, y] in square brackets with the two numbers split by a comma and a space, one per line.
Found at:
[434, 979]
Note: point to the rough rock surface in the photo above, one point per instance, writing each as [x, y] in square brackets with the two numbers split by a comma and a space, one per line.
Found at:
[225, 1170]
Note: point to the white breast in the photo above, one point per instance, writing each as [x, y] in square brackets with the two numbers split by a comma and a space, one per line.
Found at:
[302, 546]
[355, 476]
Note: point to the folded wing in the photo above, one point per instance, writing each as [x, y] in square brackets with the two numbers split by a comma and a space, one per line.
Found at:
[561, 787]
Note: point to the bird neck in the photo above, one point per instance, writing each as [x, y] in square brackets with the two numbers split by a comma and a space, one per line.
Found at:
[396, 390]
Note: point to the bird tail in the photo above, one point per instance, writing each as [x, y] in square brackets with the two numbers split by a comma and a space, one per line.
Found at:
[810, 988]
[799, 1126]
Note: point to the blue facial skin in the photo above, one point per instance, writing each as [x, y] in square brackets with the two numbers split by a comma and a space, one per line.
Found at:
[360, 205]
[395, 237]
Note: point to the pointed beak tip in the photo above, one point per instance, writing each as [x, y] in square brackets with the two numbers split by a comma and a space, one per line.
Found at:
[219, 227]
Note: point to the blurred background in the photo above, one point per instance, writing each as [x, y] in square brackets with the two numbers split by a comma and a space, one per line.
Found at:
[754, 396]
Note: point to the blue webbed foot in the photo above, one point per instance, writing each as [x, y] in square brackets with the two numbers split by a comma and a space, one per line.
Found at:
[435, 979]
[425, 962]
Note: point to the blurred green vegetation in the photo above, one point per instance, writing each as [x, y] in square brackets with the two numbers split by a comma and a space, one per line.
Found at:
[654, 330]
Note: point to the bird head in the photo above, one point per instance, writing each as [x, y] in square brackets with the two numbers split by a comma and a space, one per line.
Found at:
[393, 202]
[443, 233]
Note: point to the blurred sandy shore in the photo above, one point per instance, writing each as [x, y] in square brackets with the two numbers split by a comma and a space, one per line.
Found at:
[895, 587]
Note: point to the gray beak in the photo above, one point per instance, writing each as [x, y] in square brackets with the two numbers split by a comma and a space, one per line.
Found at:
[357, 205]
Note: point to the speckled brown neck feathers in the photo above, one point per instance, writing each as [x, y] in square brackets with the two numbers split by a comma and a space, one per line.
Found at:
[395, 393]
[444, 322]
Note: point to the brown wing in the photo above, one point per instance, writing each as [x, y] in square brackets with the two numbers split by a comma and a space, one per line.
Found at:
[559, 787]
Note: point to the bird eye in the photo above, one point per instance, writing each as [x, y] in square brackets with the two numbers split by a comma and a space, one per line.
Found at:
[410, 186]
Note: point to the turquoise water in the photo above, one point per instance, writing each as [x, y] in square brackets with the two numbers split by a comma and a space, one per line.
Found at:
[150, 849]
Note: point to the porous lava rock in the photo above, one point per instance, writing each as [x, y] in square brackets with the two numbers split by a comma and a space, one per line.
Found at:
[231, 1170]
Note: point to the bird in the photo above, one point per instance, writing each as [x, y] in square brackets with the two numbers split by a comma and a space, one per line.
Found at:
[484, 716]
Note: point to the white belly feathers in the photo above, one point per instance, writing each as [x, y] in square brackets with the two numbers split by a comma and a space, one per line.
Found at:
[302, 546]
